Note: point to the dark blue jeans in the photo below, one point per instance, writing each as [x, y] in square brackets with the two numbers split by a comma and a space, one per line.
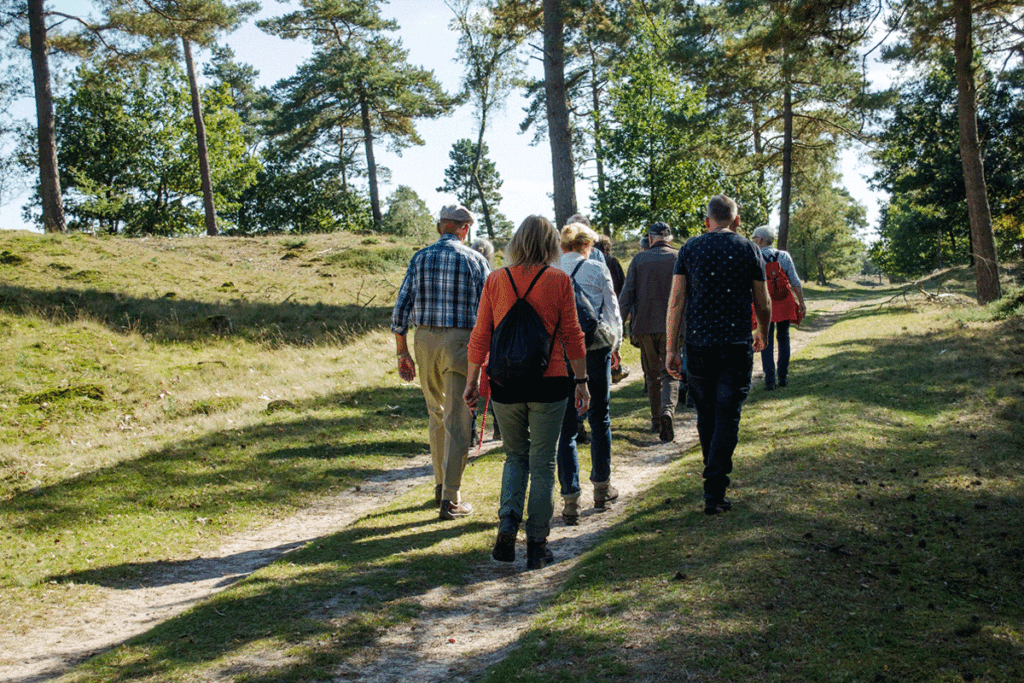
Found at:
[718, 378]
[768, 355]
[599, 374]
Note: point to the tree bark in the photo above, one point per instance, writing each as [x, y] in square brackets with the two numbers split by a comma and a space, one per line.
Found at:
[49, 177]
[476, 174]
[595, 91]
[371, 165]
[559, 134]
[203, 151]
[986, 266]
[787, 165]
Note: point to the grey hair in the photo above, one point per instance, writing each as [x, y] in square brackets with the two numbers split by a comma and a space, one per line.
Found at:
[722, 209]
[485, 247]
[764, 233]
[578, 218]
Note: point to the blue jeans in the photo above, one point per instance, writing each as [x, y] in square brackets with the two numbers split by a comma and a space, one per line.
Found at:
[599, 383]
[768, 355]
[719, 382]
[530, 434]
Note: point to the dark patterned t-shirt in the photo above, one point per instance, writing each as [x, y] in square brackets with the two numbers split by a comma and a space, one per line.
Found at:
[720, 268]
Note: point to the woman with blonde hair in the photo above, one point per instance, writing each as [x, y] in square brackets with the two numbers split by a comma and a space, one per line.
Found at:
[595, 281]
[529, 413]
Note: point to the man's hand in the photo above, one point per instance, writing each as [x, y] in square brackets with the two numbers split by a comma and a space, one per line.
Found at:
[406, 367]
[759, 342]
[674, 364]
[472, 393]
[616, 360]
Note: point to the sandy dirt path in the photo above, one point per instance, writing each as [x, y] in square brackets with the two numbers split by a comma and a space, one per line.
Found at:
[488, 614]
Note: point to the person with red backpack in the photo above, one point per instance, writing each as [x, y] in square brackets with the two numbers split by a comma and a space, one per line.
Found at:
[788, 306]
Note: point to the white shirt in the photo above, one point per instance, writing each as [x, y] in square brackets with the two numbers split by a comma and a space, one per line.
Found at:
[595, 280]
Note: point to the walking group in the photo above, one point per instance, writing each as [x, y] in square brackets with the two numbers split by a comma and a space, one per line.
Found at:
[540, 338]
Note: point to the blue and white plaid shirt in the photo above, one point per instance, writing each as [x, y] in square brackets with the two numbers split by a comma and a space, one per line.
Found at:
[441, 288]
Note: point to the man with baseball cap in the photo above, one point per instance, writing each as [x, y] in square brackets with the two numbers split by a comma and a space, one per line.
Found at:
[439, 296]
[644, 298]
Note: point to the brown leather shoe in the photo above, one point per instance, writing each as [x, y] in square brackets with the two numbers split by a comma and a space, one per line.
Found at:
[450, 510]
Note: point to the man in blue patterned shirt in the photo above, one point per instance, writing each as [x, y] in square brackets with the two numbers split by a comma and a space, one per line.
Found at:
[717, 276]
[440, 296]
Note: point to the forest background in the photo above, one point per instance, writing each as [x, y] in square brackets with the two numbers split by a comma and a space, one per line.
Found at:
[661, 105]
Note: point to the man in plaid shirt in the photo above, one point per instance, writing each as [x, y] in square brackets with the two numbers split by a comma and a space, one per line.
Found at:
[440, 296]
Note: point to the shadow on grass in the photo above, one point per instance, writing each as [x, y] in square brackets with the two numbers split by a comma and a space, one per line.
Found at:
[233, 473]
[330, 599]
[873, 539]
[174, 320]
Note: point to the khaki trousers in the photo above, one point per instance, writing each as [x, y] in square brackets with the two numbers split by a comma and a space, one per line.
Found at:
[441, 359]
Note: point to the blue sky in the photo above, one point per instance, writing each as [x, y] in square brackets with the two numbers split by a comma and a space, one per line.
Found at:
[526, 170]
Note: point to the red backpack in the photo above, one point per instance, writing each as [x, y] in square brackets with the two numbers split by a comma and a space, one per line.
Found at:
[778, 281]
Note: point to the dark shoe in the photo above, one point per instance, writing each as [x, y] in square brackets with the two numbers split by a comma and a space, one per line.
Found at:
[450, 510]
[620, 374]
[769, 387]
[505, 547]
[667, 432]
[437, 495]
[571, 509]
[497, 433]
[538, 555]
[581, 435]
[655, 426]
[472, 438]
[713, 506]
[783, 383]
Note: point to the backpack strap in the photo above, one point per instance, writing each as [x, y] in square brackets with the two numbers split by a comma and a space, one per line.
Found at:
[773, 257]
[530, 288]
[575, 270]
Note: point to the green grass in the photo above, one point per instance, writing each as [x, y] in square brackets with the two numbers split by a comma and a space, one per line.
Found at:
[874, 538]
[879, 498]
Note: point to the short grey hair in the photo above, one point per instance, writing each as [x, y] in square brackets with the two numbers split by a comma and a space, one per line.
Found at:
[722, 209]
[578, 218]
[485, 247]
[764, 233]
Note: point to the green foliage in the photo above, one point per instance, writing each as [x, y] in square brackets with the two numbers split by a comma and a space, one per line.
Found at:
[407, 214]
[652, 172]
[458, 177]
[824, 224]
[128, 158]
[300, 196]
[926, 223]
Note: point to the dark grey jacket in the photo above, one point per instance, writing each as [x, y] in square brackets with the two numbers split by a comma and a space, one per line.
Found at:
[644, 297]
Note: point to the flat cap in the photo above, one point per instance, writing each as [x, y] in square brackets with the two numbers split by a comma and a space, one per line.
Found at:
[457, 213]
[659, 229]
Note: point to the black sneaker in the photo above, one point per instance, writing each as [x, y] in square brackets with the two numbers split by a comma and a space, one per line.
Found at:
[667, 432]
[538, 555]
[714, 506]
[783, 383]
[505, 547]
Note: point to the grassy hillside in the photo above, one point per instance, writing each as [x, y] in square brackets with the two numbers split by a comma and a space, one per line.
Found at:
[149, 383]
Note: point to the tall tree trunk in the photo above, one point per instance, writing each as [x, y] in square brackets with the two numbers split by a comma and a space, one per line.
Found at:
[559, 134]
[204, 155]
[595, 92]
[476, 174]
[986, 266]
[787, 165]
[371, 165]
[49, 178]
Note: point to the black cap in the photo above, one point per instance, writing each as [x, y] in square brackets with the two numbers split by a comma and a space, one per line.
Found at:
[659, 229]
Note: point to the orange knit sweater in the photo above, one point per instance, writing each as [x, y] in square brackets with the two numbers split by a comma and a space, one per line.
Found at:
[553, 299]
